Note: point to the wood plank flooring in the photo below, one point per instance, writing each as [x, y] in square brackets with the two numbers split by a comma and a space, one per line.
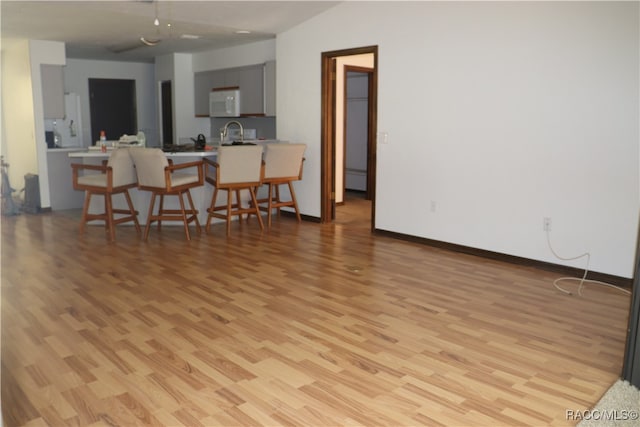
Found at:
[304, 325]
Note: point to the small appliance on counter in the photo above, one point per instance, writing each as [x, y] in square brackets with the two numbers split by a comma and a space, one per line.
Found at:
[48, 136]
[131, 140]
[189, 144]
[199, 143]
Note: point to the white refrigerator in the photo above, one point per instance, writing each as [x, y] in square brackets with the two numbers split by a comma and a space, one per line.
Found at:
[70, 127]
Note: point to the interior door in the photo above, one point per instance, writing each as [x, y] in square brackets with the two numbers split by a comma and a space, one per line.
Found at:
[112, 104]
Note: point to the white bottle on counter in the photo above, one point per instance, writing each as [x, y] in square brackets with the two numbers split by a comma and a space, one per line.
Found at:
[103, 142]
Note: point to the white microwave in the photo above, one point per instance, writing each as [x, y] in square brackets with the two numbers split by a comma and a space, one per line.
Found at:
[224, 102]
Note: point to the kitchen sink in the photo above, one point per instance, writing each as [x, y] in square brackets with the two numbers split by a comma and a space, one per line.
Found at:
[238, 143]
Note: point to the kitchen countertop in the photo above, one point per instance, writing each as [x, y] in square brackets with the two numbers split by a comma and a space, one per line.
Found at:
[64, 149]
[100, 154]
[212, 150]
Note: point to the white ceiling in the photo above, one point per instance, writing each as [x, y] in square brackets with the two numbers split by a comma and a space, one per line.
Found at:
[111, 30]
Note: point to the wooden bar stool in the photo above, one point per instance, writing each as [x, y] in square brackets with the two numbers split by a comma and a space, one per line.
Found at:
[236, 168]
[282, 165]
[162, 178]
[116, 176]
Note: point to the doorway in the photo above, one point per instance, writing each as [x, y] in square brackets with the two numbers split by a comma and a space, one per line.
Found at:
[167, 113]
[112, 104]
[356, 176]
[335, 65]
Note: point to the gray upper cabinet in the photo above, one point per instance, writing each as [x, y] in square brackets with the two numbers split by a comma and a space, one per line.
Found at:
[231, 77]
[52, 91]
[203, 83]
[252, 81]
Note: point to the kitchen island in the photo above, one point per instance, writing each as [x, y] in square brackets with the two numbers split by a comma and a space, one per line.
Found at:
[141, 199]
[61, 193]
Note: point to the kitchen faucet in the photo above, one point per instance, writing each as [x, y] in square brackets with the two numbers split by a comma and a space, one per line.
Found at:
[223, 134]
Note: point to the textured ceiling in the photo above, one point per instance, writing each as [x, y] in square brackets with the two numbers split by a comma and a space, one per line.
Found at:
[111, 30]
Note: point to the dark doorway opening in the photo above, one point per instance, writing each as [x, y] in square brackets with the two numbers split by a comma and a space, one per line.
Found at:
[167, 113]
[112, 103]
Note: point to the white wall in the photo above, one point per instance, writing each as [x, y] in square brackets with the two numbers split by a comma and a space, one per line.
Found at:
[42, 52]
[498, 114]
[178, 68]
[76, 79]
[184, 104]
[18, 121]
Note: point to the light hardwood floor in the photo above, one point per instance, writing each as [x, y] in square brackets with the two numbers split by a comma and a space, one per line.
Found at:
[307, 324]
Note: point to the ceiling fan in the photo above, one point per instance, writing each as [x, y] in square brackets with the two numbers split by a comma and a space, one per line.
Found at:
[135, 44]
[143, 40]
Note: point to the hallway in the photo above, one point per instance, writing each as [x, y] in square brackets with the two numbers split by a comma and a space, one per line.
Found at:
[355, 212]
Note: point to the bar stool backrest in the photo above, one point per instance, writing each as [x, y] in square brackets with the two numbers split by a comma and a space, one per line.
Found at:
[122, 164]
[239, 163]
[150, 164]
[283, 160]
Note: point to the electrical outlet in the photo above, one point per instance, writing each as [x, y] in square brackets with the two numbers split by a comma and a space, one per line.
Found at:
[546, 223]
[433, 206]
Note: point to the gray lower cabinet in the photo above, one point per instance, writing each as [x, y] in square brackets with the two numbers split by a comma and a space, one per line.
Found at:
[61, 192]
[255, 83]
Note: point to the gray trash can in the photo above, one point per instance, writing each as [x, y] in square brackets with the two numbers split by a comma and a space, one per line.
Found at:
[31, 194]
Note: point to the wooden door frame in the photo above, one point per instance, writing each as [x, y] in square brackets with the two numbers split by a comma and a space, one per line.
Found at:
[327, 131]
